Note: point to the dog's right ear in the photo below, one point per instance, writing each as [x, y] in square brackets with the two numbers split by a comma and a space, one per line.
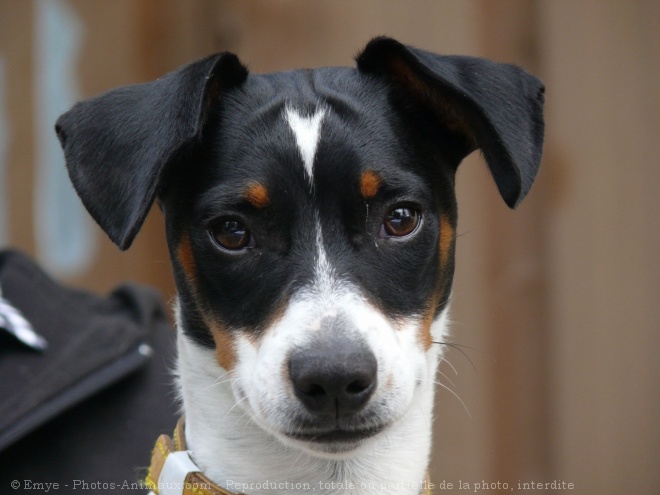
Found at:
[117, 145]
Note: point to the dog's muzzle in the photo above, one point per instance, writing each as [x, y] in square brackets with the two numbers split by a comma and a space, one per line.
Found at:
[333, 376]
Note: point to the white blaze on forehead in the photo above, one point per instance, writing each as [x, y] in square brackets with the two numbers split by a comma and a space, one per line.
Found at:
[307, 131]
[325, 282]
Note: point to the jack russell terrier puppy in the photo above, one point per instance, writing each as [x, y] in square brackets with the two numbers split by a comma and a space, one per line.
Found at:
[311, 222]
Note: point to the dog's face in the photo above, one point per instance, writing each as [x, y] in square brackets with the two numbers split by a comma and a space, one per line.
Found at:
[310, 216]
[314, 253]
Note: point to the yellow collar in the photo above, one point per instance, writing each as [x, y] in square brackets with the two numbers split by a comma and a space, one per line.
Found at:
[172, 466]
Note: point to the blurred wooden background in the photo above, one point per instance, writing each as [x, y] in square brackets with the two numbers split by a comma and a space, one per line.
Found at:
[557, 302]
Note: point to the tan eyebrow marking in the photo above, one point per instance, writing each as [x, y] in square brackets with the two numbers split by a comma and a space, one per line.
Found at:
[369, 184]
[257, 195]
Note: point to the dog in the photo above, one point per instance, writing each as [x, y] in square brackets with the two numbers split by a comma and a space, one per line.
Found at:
[311, 221]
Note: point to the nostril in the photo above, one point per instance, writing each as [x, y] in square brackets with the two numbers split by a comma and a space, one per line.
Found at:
[60, 134]
[314, 390]
[358, 386]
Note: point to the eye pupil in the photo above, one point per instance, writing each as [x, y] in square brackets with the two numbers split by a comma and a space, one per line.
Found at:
[401, 221]
[231, 234]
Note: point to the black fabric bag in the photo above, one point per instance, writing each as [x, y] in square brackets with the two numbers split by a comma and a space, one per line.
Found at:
[88, 408]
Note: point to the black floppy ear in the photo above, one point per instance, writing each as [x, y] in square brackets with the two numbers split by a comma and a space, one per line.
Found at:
[117, 145]
[492, 106]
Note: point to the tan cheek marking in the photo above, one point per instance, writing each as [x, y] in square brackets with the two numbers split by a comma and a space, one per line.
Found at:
[225, 346]
[369, 184]
[447, 234]
[186, 258]
[425, 337]
[225, 341]
[257, 195]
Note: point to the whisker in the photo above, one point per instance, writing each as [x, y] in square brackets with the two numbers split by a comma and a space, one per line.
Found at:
[455, 395]
[458, 348]
[221, 380]
[300, 454]
[250, 419]
[447, 378]
[236, 404]
[449, 364]
[205, 389]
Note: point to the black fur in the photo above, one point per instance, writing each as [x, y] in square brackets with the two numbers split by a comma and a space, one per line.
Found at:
[501, 107]
[118, 144]
[197, 137]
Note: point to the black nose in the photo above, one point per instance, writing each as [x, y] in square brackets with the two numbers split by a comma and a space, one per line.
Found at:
[332, 375]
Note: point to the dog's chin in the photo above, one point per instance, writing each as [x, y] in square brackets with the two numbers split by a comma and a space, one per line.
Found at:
[332, 444]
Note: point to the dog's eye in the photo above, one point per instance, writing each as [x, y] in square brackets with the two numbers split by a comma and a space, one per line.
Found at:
[232, 235]
[400, 222]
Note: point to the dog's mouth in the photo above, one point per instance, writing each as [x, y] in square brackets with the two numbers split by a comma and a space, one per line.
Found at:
[336, 435]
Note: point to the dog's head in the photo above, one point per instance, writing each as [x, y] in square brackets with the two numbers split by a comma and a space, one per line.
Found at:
[310, 216]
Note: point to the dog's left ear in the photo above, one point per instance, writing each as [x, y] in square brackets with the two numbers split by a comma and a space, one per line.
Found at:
[492, 106]
[118, 145]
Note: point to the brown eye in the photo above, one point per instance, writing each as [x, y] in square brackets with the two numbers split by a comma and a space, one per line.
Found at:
[400, 222]
[232, 235]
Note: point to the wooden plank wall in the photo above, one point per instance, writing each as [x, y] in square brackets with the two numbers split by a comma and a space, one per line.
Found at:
[556, 303]
[601, 61]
